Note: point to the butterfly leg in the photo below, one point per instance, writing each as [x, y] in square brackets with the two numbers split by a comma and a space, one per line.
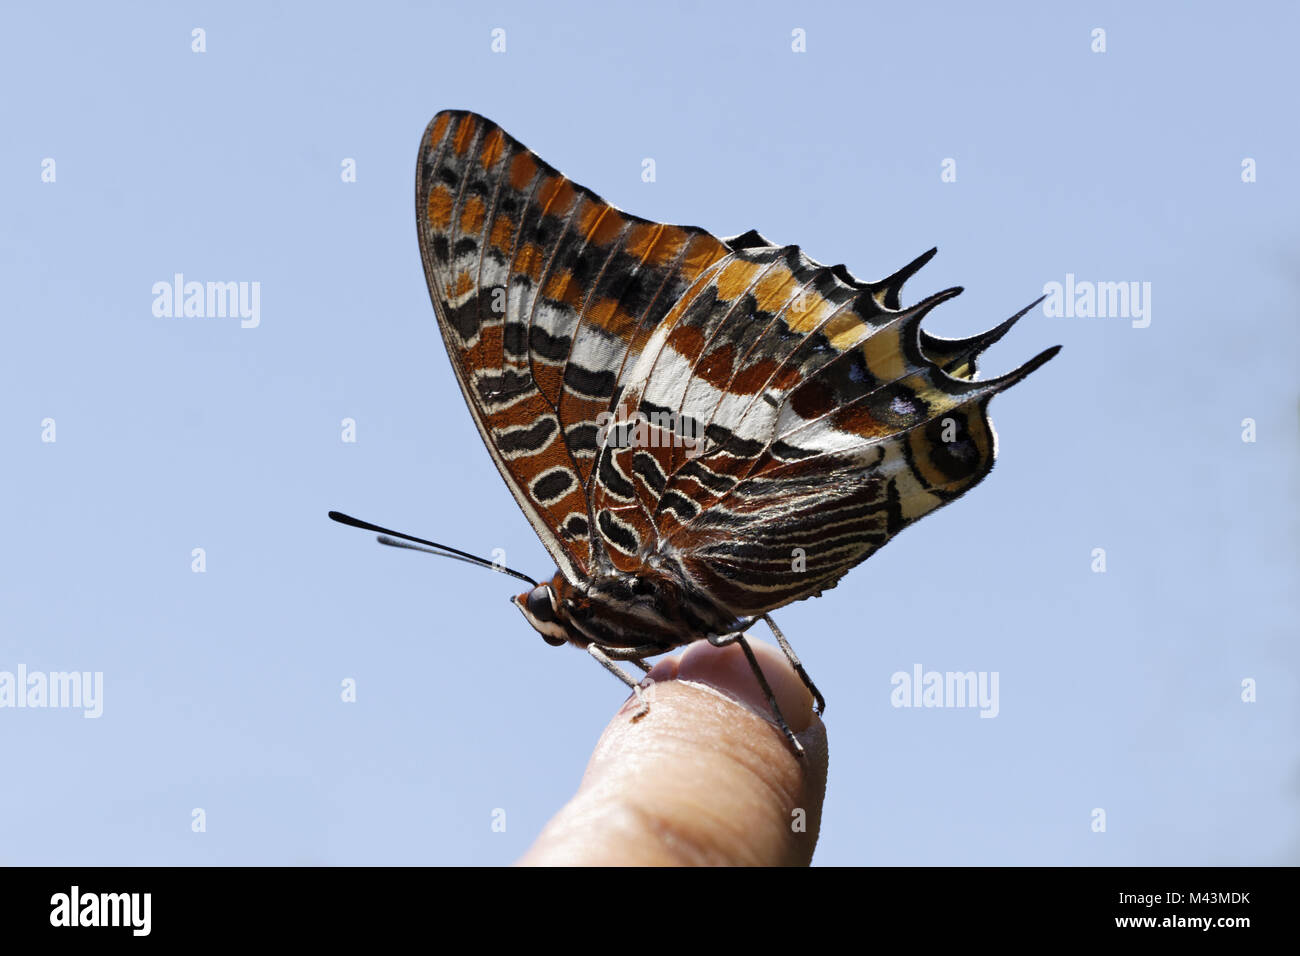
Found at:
[798, 667]
[633, 655]
[722, 640]
[603, 655]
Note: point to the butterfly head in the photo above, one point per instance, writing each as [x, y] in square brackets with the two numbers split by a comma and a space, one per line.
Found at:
[542, 607]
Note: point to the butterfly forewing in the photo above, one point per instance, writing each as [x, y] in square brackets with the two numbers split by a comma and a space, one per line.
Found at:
[543, 291]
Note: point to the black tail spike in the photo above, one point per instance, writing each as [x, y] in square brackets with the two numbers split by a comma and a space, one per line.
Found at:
[923, 308]
[893, 285]
[951, 354]
[748, 240]
[1016, 375]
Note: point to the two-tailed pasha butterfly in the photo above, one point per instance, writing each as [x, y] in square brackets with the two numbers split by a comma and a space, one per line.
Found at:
[700, 430]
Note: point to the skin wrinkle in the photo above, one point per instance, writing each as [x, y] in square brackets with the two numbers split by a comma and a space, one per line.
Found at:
[704, 779]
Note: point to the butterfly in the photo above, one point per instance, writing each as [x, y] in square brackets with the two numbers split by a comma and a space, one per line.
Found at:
[700, 430]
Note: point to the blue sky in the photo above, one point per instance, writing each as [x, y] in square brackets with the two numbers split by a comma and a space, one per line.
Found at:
[1119, 690]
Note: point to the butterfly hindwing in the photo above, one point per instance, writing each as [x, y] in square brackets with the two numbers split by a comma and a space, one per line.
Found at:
[829, 423]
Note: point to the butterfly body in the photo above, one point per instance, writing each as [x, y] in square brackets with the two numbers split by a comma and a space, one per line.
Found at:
[655, 611]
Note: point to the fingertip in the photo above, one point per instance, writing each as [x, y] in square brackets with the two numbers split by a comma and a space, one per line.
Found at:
[728, 669]
[704, 775]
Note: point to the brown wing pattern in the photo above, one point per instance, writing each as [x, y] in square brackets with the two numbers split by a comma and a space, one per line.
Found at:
[831, 422]
[543, 291]
[784, 419]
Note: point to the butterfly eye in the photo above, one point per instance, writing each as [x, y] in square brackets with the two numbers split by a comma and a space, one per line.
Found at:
[539, 604]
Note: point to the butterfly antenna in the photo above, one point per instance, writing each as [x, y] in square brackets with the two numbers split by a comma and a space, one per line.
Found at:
[394, 543]
[395, 539]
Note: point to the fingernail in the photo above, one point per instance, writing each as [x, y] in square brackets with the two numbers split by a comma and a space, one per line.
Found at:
[727, 669]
